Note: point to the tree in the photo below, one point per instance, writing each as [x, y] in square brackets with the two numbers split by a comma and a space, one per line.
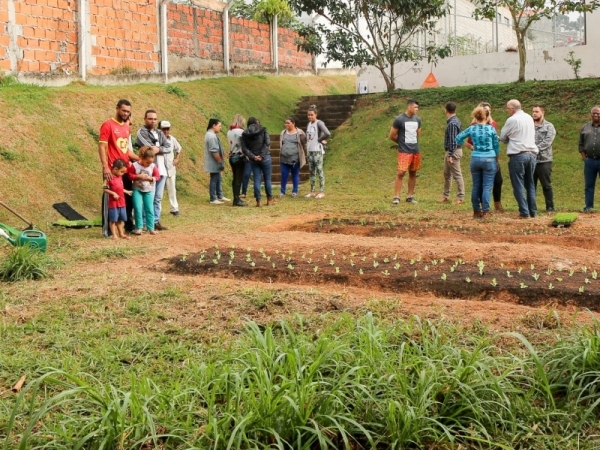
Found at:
[379, 33]
[264, 11]
[526, 12]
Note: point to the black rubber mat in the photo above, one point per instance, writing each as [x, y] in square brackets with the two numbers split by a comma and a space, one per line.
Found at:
[67, 212]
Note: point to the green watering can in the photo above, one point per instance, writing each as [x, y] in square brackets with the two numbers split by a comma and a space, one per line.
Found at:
[29, 236]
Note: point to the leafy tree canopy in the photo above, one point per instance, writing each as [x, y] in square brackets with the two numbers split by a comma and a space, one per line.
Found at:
[378, 33]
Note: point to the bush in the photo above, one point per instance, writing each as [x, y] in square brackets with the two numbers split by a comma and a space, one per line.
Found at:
[24, 263]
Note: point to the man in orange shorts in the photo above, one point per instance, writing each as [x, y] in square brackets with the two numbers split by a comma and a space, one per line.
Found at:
[405, 131]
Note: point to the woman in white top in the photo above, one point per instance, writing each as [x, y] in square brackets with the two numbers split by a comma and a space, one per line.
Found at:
[317, 135]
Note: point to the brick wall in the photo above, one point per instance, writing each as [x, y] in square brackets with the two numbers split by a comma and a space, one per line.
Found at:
[44, 35]
[289, 56]
[40, 37]
[125, 36]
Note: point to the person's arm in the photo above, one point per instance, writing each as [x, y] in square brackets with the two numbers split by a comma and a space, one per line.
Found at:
[113, 194]
[460, 137]
[582, 143]
[324, 133]
[144, 139]
[155, 173]
[506, 132]
[267, 141]
[546, 142]
[164, 144]
[393, 134]
[495, 143]
[103, 151]
[302, 139]
[177, 149]
[452, 131]
[214, 148]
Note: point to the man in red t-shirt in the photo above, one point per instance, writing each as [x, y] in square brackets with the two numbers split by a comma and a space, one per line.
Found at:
[114, 144]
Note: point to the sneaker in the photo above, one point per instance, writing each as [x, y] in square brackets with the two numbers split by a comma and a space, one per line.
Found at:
[549, 210]
[310, 194]
[294, 194]
[160, 227]
[411, 200]
[587, 210]
[137, 232]
[320, 195]
[242, 195]
[396, 201]
[216, 202]
[458, 201]
[281, 195]
[175, 213]
[443, 200]
[224, 199]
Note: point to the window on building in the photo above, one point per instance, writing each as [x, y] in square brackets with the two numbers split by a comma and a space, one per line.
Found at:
[506, 21]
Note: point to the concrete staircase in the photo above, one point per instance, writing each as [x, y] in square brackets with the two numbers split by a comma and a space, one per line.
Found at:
[332, 109]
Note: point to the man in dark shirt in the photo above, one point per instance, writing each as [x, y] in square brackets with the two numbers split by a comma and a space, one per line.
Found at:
[589, 148]
[453, 154]
[405, 131]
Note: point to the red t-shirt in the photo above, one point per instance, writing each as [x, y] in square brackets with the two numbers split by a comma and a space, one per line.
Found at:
[116, 185]
[116, 136]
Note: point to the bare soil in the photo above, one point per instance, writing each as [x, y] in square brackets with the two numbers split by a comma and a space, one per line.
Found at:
[429, 267]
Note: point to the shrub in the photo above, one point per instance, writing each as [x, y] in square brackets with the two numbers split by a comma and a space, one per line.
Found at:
[24, 263]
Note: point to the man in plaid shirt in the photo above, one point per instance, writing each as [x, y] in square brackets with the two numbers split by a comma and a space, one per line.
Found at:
[453, 154]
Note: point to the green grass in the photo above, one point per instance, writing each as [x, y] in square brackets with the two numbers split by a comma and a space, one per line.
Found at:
[349, 383]
[565, 218]
[24, 262]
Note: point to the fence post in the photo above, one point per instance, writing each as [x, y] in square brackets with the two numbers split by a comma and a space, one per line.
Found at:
[164, 47]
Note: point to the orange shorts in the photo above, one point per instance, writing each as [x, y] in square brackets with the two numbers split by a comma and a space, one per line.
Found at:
[409, 162]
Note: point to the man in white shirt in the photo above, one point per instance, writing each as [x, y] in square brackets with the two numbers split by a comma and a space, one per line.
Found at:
[519, 134]
[171, 161]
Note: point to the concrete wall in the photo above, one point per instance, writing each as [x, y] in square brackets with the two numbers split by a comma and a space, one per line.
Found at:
[40, 41]
[495, 68]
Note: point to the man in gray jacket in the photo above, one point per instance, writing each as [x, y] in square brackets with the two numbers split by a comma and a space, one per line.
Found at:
[149, 135]
[544, 136]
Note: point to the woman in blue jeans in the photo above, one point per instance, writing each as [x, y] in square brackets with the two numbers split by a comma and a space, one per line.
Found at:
[292, 156]
[255, 145]
[484, 160]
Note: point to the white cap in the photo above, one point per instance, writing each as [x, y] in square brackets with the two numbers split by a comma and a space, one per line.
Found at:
[165, 124]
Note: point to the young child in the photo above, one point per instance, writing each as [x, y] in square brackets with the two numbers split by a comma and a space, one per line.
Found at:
[144, 174]
[117, 214]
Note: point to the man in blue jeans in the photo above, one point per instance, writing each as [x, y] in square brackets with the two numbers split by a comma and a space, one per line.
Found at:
[519, 134]
[589, 148]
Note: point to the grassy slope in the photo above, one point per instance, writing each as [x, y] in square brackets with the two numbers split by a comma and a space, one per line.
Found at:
[49, 150]
[366, 149]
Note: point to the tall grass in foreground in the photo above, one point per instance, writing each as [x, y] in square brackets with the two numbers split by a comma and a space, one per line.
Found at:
[355, 384]
[24, 262]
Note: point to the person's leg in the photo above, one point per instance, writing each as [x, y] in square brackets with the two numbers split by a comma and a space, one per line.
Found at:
[543, 173]
[172, 192]
[447, 177]
[212, 187]
[220, 194]
[456, 173]
[285, 173]
[128, 186]
[138, 209]
[412, 182]
[398, 184]
[401, 169]
[487, 175]
[319, 171]
[148, 200]
[295, 178]
[114, 230]
[477, 189]
[247, 172]
[413, 167]
[516, 170]
[590, 172]
[159, 190]
[105, 221]
[267, 169]
[497, 189]
[256, 174]
[312, 171]
[121, 229]
[529, 165]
